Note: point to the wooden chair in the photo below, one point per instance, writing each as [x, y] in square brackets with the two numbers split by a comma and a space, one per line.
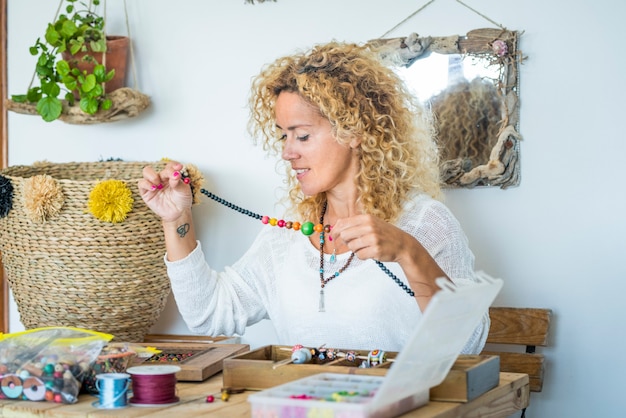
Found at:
[521, 327]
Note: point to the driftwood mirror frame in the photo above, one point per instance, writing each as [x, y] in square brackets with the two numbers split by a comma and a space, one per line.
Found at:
[499, 48]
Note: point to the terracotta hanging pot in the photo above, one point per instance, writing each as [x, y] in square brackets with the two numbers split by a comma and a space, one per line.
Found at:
[116, 58]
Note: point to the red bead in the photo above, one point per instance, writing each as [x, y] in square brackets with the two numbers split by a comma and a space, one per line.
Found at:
[265, 219]
[280, 223]
[210, 399]
[186, 180]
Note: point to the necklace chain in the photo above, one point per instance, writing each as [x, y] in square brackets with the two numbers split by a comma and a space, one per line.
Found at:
[308, 228]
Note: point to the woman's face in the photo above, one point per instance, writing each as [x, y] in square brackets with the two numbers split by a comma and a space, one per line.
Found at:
[320, 163]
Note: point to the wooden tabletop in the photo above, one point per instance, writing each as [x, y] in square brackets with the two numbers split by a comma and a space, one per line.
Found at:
[512, 394]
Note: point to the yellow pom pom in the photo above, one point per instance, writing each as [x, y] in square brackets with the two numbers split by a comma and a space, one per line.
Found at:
[110, 201]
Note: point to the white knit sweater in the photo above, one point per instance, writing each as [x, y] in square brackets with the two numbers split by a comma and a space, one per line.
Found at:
[278, 279]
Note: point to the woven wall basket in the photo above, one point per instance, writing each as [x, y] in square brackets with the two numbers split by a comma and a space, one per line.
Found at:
[68, 267]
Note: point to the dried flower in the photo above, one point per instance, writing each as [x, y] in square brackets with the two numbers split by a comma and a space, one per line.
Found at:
[110, 201]
[499, 47]
[6, 196]
[197, 179]
[43, 198]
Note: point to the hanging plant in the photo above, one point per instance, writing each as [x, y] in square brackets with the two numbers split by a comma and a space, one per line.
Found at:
[72, 73]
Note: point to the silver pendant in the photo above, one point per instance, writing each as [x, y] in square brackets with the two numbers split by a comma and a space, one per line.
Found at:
[321, 307]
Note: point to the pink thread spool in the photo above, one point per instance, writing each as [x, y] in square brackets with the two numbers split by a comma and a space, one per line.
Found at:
[153, 385]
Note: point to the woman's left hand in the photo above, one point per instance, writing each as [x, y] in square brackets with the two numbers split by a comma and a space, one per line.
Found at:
[370, 237]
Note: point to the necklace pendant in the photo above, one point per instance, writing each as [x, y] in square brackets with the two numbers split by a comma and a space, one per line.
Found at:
[321, 306]
[333, 256]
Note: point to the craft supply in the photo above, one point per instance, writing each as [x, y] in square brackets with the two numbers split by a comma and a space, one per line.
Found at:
[307, 231]
[299, 355]
[153, 385]
[447, 323]
[113, 389]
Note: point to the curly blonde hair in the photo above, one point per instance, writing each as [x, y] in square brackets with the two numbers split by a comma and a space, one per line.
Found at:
[469, 115]
[362, 98]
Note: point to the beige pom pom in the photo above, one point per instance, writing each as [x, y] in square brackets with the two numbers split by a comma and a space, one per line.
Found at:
[43, 198]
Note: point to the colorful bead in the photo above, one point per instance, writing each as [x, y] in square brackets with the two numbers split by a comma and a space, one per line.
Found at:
[296, 226]
[225, 395]
[281, 223]
[210, 399]
[376, 357]
[301, 356]
[273, 221]
[265, 219]
[318, 228]
[307, 228]
[288, 224]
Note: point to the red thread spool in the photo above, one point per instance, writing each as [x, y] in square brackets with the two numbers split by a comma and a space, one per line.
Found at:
[153, 385]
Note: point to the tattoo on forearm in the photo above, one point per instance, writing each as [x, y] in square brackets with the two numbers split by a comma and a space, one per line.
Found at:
[182, 230]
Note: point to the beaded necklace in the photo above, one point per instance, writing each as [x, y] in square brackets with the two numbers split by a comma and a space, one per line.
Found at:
[307, 228]
[323, 280]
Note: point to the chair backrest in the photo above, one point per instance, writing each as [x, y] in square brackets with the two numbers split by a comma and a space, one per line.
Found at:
[520, 327]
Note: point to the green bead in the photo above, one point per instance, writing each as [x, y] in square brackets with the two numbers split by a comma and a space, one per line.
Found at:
[307, 228]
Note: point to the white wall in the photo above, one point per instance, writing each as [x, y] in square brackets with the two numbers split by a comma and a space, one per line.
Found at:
[558, 240]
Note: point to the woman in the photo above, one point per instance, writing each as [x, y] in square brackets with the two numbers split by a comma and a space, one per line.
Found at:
[363, 165]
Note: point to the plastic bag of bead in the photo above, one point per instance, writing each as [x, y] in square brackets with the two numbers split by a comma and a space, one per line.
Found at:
[47, 364]
[115, 358]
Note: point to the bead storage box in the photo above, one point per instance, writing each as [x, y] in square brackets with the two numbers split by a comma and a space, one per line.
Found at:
[423, 363]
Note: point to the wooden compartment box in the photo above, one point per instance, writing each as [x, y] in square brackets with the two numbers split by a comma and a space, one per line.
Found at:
[198, 357]
[264, 367]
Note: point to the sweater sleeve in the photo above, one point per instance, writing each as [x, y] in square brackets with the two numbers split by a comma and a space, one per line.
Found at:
[437, 229]
[211, 302]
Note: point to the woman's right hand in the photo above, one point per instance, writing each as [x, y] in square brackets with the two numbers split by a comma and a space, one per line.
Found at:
[165, 193]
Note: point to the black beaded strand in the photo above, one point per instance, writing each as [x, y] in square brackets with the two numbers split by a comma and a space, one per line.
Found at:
[258, 217]
[230, 205]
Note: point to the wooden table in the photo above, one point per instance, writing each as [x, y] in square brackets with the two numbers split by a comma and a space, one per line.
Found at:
[510, 395]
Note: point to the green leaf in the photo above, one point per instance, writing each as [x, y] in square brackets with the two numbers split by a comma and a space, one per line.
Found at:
[63, 68]
[98, 46]
[100, 72]
[106, 105]
[19, 98]
[110, 76]
[76, 45]
[89, 105]
[42, 60]
[70, 82]
[49, 108]
[89, 83]
[33, 50]
[68, 29]
[52, 36]
[69, 96]
[50, 89]
[34, 94]
[97, 91]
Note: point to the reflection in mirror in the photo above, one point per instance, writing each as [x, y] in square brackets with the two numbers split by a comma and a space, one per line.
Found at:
[471, 83]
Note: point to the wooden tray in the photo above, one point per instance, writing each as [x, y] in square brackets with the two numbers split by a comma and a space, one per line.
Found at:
[260, 369]
[197, 360]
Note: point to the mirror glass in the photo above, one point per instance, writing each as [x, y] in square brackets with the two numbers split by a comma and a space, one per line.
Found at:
[471, 83]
